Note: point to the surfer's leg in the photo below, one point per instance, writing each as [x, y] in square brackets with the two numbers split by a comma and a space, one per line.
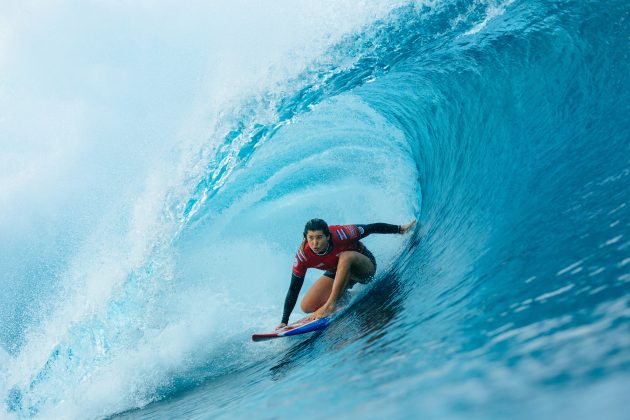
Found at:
[353, 266]
[318, 294]
[365, 279]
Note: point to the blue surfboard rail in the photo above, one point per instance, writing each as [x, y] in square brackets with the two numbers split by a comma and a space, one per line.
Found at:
[296, 328]
[318, 324]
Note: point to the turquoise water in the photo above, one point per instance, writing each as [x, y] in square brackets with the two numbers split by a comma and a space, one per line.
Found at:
[501, 125]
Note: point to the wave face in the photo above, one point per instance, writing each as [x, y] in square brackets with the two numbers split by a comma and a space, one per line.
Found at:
[501, 125]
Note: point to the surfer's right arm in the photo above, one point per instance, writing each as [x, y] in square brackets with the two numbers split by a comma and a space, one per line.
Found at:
[291, 299]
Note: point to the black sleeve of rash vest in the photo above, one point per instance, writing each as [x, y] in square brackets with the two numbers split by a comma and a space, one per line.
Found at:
[292, 295]
[365, 230]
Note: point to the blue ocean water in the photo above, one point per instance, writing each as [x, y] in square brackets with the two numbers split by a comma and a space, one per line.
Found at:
[502, 126]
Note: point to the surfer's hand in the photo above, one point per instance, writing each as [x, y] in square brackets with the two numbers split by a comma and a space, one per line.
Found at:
[407, 227]
[281, 325]
[322, 312]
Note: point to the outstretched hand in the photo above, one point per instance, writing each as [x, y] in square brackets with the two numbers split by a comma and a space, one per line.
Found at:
[281, 325]
[407, 227]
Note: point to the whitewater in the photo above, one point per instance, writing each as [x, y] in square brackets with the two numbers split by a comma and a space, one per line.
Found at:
[158, 162]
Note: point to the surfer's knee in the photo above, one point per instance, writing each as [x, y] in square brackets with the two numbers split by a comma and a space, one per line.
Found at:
[349, 257]
[356, 260]
[306, 308]
[360, 266]
[309, 304]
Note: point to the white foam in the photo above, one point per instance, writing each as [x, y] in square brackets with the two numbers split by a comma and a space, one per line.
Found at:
[554, 293]
[492, 12]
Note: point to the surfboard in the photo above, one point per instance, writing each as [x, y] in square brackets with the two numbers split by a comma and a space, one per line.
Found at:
[302, 326]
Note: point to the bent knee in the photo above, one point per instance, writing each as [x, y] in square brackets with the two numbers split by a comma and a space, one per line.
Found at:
[360, 265]
[304, 307]
[307, 307]
[349, 256]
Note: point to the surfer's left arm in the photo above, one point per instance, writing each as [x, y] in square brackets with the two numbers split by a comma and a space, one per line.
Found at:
[365, 230]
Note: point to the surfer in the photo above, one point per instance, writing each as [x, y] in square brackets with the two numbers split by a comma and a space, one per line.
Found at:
[338, 251]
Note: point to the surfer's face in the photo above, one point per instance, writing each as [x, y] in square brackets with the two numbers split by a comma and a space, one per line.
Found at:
[317, 240]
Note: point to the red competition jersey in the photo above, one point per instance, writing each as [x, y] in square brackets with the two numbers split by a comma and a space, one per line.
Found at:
[342, 238]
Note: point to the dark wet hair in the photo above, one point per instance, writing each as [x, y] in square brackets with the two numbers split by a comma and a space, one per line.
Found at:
[316, 224]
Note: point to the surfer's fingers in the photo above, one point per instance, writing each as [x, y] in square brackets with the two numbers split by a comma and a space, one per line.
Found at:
[408, 226]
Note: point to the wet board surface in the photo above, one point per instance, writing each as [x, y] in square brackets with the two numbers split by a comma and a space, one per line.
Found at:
[302, 326]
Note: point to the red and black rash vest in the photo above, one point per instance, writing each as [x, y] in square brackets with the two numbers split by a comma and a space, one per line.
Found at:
[342, 237]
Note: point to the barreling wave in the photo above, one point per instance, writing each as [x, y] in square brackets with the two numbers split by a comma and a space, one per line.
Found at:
[501, 125]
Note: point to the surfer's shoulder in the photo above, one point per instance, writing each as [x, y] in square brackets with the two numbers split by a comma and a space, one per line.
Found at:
[344, 232]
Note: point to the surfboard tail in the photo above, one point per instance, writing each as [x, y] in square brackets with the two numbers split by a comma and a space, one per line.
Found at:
[265, 337]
